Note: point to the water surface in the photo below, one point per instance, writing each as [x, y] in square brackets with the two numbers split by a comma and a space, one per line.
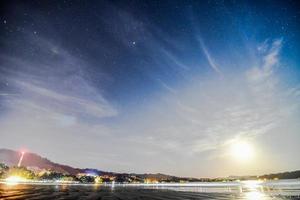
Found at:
[243, 191]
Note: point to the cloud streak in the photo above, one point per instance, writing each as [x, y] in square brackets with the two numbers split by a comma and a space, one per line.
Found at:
[210, 60]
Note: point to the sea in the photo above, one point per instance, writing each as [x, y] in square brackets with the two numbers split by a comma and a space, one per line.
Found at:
[244, 190]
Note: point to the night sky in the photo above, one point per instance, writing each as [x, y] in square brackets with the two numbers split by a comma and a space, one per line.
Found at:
[152, 86]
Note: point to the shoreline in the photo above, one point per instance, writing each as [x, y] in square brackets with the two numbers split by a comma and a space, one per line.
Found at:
[246, 183]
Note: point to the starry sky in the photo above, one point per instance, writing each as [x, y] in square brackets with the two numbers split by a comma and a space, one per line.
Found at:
[152, 86]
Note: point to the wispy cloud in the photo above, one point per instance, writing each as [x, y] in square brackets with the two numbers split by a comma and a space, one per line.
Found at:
[270, 58]
[210, 60]
[203, 119]
[64, 103]
[51, 102]
[57, 82]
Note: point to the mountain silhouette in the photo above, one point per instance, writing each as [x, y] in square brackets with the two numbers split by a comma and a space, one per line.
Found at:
[11, 158]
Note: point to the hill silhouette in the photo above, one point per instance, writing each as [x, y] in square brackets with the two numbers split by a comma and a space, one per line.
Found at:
[11, 158]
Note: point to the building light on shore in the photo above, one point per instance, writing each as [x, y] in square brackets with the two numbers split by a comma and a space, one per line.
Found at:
[14, 180]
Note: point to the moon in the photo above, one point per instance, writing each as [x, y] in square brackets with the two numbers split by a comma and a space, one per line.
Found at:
[242, 151]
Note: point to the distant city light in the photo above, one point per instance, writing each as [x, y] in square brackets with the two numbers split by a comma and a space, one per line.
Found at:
[14, 180]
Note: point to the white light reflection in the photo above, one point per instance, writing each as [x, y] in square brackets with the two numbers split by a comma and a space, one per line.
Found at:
[253, 190]
[255, 195]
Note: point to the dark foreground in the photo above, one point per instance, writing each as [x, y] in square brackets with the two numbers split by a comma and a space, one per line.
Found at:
[134, 193]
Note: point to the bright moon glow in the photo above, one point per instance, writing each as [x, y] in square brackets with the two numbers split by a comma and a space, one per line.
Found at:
[242, 151]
